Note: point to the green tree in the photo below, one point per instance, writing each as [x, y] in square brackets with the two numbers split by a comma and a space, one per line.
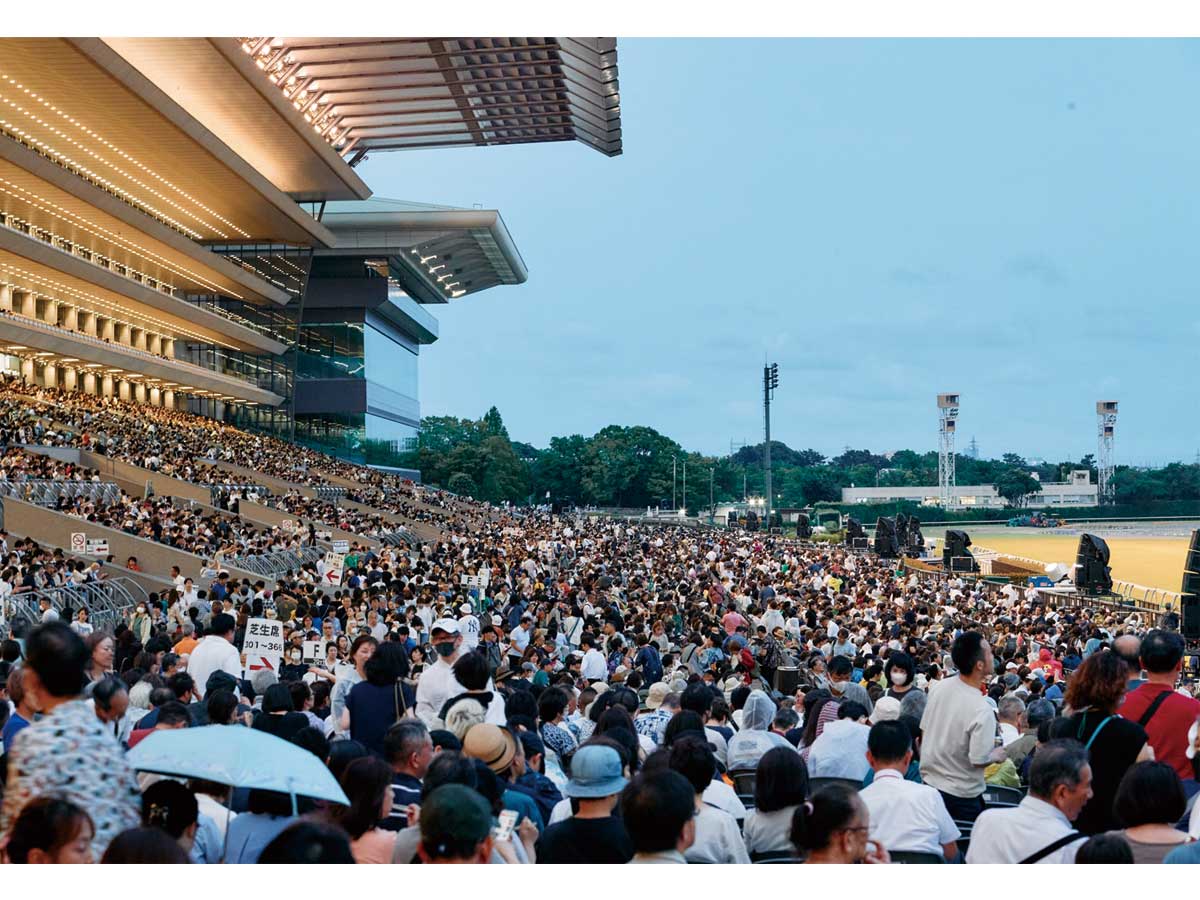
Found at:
[504, 475]
[1015, 485]
[1014, 460]
[492, 424]
[462, 484]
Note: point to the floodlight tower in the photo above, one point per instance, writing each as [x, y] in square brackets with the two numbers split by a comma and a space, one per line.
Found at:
[947, 418]
[770, 382]
[1106, 423]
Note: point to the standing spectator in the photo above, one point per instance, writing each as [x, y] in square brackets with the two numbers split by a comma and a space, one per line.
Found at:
[1114, 743]
[959, 730]
[68, 751]
[215, 653]
[1165, 714]
[408, 749]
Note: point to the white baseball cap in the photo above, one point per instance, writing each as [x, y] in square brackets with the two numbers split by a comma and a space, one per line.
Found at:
[450, 626]
[465, 609]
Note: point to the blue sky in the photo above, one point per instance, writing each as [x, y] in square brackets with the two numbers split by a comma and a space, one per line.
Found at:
[886, 219]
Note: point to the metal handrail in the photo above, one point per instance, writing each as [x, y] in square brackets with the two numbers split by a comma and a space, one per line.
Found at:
[108, 602]
[44, 492]
[274, 564]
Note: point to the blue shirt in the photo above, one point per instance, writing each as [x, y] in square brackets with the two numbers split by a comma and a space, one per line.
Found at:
[1188, 855]
[208, 844]
[250, 833]
[11, 728]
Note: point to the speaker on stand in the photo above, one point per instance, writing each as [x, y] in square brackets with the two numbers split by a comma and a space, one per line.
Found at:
[1189, 604]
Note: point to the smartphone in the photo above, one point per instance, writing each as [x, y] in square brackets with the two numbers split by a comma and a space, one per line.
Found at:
[508, 821]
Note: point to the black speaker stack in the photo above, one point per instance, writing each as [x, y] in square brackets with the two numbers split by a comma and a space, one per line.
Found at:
[955, 555]
[1092, 574]
[1189, 605]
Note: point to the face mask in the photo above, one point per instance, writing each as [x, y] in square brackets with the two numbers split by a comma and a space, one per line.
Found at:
[838, 687]
[444, 649]
[899, 676]
[141, 610]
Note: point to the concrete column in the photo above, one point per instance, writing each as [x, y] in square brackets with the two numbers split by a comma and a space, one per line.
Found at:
[50, 375]
[169, 399]
[26, 305]
[168, 347]
[139, 338]
[89, 381]
[70, 379]
[155, 397]
[139, 392]
[122, 334]
[70, 317]
[108, 331]
[27, 370]
[123, 389]
[6, 298]
[154, 344]
[50, 312]
[106, 385]
[87, 322]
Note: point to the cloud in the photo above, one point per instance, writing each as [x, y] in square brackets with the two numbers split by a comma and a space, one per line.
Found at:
[1036, 267]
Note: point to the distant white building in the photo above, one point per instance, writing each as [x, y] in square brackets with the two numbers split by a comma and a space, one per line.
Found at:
[1077, 491]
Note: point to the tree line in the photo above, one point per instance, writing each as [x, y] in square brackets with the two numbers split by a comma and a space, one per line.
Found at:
[631, 466]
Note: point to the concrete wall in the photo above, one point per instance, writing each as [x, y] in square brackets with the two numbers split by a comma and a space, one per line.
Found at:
[54, 528]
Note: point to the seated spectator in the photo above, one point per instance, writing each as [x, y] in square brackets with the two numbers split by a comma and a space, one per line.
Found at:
[780, 786]
[1149, 801]
[833, 827]
[1039, 829]
[593, 834]
[659, 810]
[905, 816]
[51, 830]
[841, 750]
[456, 827]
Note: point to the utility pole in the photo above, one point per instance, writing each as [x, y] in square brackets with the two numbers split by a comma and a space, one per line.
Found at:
[685, 486]
[674, 460]
[712, 509]
[770, 382]
[744, 494]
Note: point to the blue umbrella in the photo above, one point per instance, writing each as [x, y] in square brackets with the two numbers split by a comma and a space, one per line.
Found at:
[239, 757]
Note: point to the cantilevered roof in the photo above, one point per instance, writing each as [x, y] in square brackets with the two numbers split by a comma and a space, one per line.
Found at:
[222, 88]
[82, 106]
[364, 94]
[441, 251]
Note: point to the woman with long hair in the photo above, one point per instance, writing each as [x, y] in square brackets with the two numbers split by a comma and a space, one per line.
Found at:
[368, 785]
[1114, 743]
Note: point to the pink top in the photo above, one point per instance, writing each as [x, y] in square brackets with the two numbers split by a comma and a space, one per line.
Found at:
[374, 847]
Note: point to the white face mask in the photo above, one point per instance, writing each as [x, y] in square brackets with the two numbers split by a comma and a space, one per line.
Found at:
[838, 687]
[899, 676]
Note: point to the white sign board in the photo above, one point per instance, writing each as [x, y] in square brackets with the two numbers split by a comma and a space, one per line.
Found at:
[473, 581]
[264, 644]
[78, 542]
[334, 563]
[342, 547]
[314, 652]
[97, 547]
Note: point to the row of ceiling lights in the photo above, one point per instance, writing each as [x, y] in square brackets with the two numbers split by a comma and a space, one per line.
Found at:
[74, 220]
[86, 148]
[284, 70]
[441, 280]
[45, 357]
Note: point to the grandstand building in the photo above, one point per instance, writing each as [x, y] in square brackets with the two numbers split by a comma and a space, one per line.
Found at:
[1080, 490]
[181, 223]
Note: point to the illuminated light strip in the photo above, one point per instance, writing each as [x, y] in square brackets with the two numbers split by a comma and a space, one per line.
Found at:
[77, 221]
[160, 327]
[95, 136]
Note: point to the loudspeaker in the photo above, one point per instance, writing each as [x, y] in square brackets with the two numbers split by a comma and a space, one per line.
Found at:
[901, 531]
[1092, 574]
[750, 523]
[916, 540]
[955, 555]
[886, 545]
[803, 529]
[854, 531]
[787, 679]
[1189, 604]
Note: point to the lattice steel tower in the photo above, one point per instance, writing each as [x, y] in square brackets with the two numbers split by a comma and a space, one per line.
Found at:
[1106, 423]
[947, 418]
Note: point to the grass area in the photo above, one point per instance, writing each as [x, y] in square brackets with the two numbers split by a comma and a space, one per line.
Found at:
[1151, 561]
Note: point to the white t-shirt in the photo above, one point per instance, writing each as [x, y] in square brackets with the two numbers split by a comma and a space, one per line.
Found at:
[469, 626]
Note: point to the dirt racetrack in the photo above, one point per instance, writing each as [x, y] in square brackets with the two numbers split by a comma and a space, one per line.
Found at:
[1150, 561]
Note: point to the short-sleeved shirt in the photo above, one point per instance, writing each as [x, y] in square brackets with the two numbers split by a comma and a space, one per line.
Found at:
[586, 841]
[1167, 730]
